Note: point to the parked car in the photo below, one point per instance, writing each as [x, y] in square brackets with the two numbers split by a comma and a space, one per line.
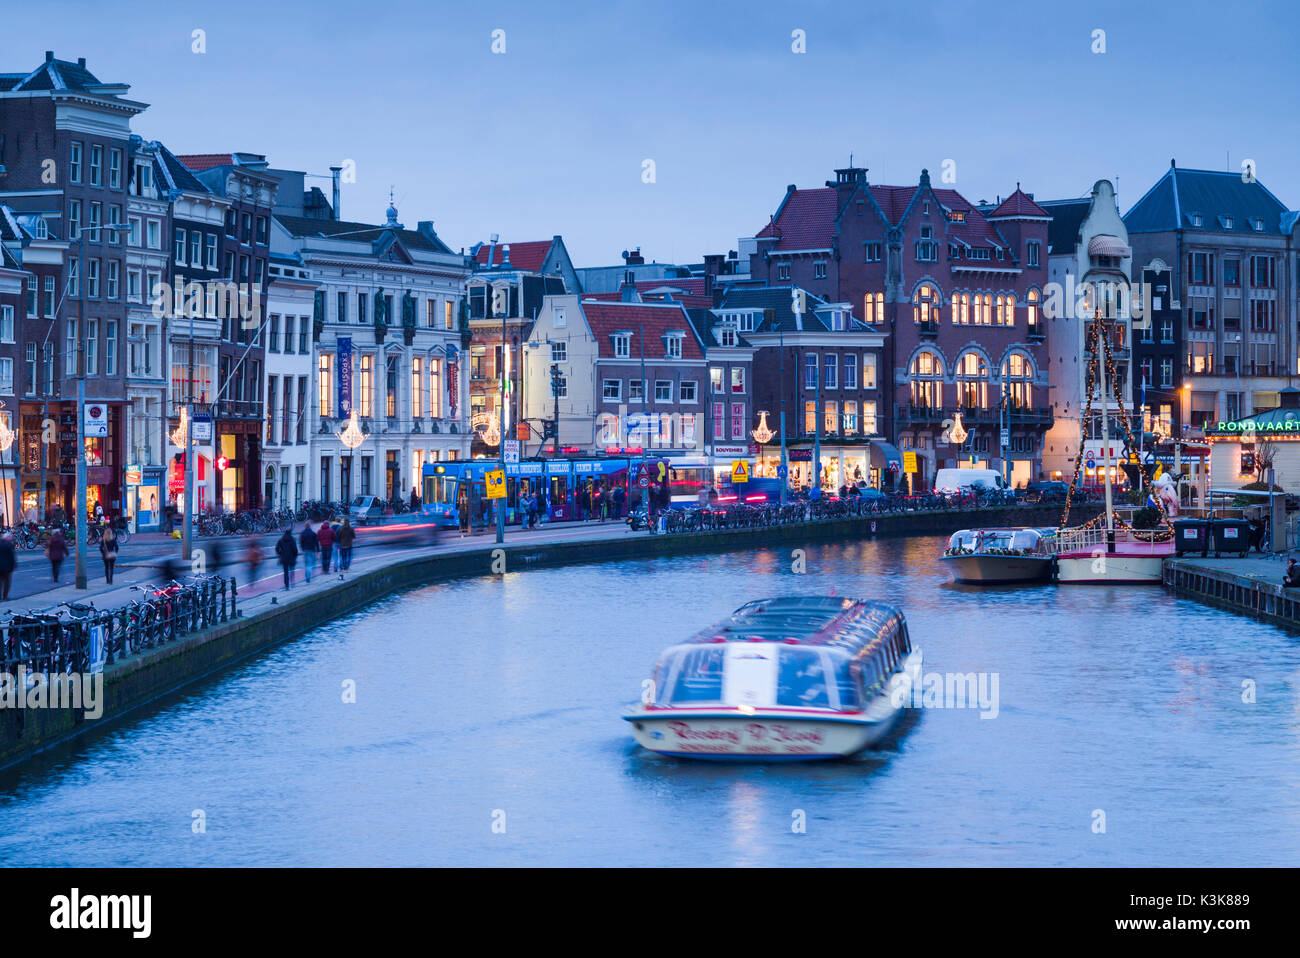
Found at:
[1050, 491]
[364, 509]
[960, 480]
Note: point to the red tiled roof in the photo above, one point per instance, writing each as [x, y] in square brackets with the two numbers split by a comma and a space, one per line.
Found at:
[606, 318]
[1019, 204]
[198, 162]
[529, 257]
[807, 220]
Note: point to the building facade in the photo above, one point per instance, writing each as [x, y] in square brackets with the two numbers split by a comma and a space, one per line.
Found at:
[1232, 248]
[386, 339]
[956, 291]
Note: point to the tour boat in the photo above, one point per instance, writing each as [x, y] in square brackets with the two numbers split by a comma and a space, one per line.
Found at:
[794, 678]
[999, 556]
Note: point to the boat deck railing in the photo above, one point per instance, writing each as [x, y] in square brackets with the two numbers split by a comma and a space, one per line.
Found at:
[1084, 539]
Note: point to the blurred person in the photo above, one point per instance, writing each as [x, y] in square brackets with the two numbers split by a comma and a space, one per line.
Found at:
[287, 551]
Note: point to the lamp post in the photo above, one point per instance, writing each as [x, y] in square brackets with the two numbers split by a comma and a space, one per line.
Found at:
[80, 504]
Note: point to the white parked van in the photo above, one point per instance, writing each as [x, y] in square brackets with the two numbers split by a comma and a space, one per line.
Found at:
[958, 480]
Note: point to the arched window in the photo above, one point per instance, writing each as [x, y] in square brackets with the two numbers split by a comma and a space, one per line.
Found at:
[972, 381]
[925, 304]
[927, 380]
[1011, 310]
[1002, 311]
[1018, 374]
[986, 313]
[1031, 311]
[960, 309]
[873, 308]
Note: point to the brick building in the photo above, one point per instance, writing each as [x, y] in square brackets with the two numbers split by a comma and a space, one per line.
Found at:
[954, 288]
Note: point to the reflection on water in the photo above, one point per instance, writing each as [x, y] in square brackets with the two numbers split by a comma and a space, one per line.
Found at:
[499, 700]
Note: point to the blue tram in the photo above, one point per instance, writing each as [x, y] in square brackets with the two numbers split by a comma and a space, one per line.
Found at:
[566, 483]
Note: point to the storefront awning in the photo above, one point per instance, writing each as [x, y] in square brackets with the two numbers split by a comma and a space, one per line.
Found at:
[1108, 245]
[885, 455]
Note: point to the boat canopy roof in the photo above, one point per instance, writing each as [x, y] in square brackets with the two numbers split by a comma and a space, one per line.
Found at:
[840, 622]
[1017, 538]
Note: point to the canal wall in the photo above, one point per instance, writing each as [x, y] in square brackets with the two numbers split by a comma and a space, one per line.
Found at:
[136, 680]
[1251, 586]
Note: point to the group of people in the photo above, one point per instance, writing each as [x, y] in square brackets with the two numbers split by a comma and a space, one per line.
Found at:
[330, 542]
[600, 503]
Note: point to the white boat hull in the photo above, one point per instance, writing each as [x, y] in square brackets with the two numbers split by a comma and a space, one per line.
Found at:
[727, 733]
[1110, 567]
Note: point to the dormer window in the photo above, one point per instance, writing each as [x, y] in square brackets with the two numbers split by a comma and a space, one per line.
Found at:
[1197, 219]
[726, 336]
[747, 322]
[1002, 254]
[839, 320]
[956, 216]
[1227, 222]
[622, 345]
[673, 345]
[1259, 225]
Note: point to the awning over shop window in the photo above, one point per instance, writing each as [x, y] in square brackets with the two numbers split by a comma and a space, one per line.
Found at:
[885, 456]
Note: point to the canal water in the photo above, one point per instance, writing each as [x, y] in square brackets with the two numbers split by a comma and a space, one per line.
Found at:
[486, 730]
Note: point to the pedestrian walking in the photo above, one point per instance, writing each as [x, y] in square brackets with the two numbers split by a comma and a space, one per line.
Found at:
[56, 550]
[253, 559]
[8, 562]
[287, 550]
[620, 497]
[345, 539]
[108, 551]
[325, 539]
[462, 513]
[606, 504]
[309, 545]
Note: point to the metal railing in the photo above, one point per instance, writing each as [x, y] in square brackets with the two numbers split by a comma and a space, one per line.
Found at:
[75, 637]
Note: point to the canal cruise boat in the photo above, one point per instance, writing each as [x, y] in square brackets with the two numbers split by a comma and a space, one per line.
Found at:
[795, 678]
[999, 556]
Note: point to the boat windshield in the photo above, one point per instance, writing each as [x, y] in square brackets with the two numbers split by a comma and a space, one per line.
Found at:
[801, 679]
[965, 539]
[699, 676]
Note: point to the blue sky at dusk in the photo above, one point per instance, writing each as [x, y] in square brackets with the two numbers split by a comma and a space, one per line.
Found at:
[550, 136]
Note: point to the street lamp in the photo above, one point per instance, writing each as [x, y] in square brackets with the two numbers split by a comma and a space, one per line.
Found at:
[80, 505]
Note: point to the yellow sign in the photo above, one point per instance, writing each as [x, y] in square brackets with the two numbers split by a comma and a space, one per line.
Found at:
[739, 471]
[496, 484]
[909, 462]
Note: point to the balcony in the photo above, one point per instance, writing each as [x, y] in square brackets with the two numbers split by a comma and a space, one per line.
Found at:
[906, 413]
[928, 328]
[1032, 415]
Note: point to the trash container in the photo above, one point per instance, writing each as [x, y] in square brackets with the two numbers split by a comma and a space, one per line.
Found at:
[1191, 535]
[1230, 535]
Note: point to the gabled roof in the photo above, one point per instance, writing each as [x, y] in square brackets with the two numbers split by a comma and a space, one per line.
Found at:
[606, 318]
[776, 298]
[806, 220]
[528, 256]
[1180, 195]
[304, 226]
[55, 75]
[1067, 217]
[1017, 204]
[175, 174]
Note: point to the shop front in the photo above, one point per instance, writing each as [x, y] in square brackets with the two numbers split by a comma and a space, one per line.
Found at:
[239, 466]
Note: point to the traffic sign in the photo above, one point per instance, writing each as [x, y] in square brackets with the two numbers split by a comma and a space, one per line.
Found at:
[782, 472]
[495, 481]
[511, 450]
[740, 471]
[1006, 438]
[202, 427]
[96, 420]
[909, 462]
[1090, 463]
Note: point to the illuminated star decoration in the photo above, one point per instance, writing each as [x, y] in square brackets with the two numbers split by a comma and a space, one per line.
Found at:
[762, 434]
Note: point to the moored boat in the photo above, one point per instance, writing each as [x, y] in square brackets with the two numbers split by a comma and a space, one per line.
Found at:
[1121, 557]
[795, 678]
[998, 556]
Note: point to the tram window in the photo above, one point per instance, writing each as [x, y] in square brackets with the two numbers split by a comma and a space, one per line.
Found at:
[801, 679]
[699, 676]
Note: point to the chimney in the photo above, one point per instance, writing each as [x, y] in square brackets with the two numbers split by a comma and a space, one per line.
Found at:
[627, 292]
[334, 178]
[492, 248]
[81, 62]
[505, 254]
[634, 258]
[49, 56]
